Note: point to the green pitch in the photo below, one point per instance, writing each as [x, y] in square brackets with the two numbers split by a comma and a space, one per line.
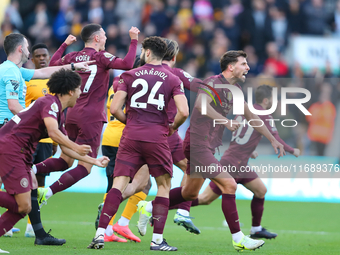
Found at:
[303, 228]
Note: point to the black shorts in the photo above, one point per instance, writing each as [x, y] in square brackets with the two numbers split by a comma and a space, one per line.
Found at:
[43, 151]
[111, 153]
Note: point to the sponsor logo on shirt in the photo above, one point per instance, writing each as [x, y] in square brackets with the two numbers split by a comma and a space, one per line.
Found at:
[13, 94]
[15, 84]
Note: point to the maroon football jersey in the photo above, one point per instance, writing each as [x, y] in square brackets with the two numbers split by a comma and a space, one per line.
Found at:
[245, 140]
[90, 106]
[149, 89]
[21, 135]
[201, 130]
[189, 83]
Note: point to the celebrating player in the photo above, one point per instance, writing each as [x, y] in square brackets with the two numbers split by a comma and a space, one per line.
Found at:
[44, 118]
[242, 147]
[146, 92]
[203, 137]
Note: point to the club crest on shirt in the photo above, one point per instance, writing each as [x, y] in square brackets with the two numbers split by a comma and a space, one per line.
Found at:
[44, 91]
[24, 182]
[121, 81]
[54, 107]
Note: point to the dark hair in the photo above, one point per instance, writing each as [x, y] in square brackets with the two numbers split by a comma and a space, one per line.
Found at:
[12, 41]
[172, 49]
[230, 57]
[262, 92]
[38, 46]
[63, 81]
[88, 31]
[137, 62]
[156, 44]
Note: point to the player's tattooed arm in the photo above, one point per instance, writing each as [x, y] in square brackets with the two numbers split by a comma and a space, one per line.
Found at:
[213, 114]
[263, 130]
[116, 107]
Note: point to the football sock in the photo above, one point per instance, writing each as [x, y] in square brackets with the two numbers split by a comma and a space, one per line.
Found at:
[123, 221]
[195, 202]
[237, 237]
[34, 215]
[69, 178]
[257, 211]
[131, 208]
[51, 165]
[112, 202]
[8, 220]
[183, 212]
[8, 201]
[214, 188]
[28, 220]
[160, 214]
[253, 229]
[108, 230]
[149, 206]
[175, 197]
[157, 238]
[230, 212]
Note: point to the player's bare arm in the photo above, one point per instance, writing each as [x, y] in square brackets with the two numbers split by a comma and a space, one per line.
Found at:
[48, 71]
[264, 131]
[117, 105]
[56, 135]
[14, 106]
[182, 112]
[213, 114]
[101, 162]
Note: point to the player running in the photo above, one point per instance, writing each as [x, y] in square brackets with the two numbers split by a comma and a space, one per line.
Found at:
[146, 92]
[242, 147]
[203, 137]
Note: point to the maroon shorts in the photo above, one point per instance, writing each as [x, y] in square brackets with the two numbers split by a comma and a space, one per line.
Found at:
[203, 163]
[241, 173]
[15, 174]
[186, 149]
[132, 155]
[176, 147]
[88, 134]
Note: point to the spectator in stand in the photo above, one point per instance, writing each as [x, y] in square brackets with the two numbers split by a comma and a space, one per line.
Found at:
[295, 17]
[13, 14]
[110, 16]
[96, 13]
[335, 20]
[315, 18]
[129, 12]
[279, 26]
[202, 10]
[321, 122]
[231, 29]
[159, 18]
[256, 27]
[275, 59]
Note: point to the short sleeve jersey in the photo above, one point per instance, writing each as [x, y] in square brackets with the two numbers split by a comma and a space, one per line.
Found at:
[149, 89]
[202, 131]
[12, 86]
[189, 83]
[90, 106]
[25, 129]
[114, 129]
[245, 140]
[36, 88]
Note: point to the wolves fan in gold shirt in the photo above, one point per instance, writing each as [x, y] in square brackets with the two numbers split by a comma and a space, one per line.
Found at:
[110, 143]
[35, 89]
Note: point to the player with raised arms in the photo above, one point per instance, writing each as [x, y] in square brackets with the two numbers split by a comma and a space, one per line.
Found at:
[203, 137]
[242, 147]
[146, 92]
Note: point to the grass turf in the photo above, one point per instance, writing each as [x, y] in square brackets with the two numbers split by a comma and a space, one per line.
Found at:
[303, 228]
